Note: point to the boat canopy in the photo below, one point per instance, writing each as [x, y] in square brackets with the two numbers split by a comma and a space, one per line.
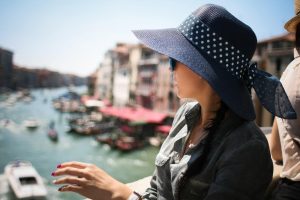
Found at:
[135, 114]
[165, 129]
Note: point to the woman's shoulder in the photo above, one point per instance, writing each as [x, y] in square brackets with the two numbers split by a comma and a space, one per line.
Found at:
[247, 133]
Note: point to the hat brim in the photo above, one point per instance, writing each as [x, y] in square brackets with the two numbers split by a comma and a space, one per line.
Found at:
[172, 43]
[291, 25]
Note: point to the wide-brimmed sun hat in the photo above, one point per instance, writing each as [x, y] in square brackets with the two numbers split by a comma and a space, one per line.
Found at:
[218, 47]
[291, 25]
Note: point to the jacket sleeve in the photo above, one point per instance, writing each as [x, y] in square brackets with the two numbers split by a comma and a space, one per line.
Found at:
[244, 174]
[151, 192]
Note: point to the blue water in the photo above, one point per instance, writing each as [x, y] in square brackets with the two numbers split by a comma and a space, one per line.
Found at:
[19, 143]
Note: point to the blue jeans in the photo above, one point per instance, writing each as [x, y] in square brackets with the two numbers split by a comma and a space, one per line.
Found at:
[287, 190]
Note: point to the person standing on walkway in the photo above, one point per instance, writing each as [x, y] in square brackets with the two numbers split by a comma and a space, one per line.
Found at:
[214, 151]
[285, 138]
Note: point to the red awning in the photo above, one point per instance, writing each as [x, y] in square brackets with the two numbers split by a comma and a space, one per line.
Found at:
[135, 114]
[164, 129]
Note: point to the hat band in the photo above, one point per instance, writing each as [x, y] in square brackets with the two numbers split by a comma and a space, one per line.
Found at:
[268, 88]
[215, 46]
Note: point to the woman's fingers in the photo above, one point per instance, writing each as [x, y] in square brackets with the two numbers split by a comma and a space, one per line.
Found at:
[75, 164]
[71, 180]
[70, 188]
[71, 171]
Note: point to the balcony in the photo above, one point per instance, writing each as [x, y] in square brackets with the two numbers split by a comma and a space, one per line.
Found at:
[151, 60]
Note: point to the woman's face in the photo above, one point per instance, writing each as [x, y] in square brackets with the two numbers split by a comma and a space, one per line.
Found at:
[187, 83]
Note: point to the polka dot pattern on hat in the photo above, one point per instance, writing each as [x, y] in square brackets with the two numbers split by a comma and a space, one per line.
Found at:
[215, 46]
[250, 75]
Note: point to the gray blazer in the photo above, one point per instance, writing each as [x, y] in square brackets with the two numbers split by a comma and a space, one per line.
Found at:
[237, 166]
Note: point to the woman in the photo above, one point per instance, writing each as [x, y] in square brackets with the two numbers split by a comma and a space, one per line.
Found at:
[214, 149]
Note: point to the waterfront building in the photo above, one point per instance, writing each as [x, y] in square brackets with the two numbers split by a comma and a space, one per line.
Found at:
[6, 68]
[136, 75]
[134, 58]
[113, 75]
[154, 83]
[92, 83]
[122, 74]
[147, 78]
[166, 97]
[104, 76]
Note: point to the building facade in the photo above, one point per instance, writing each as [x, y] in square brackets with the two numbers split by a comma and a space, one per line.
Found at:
[154, 82]
[136, 75]
[121, 84]
[6, 68]
[104, 76]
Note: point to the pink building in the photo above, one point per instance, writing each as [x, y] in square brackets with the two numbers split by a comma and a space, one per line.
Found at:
[154, 85]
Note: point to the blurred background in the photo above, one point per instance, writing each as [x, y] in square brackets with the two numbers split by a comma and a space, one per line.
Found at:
[75, 84]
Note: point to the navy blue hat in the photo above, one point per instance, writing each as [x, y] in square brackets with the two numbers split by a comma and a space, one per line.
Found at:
[218, 47]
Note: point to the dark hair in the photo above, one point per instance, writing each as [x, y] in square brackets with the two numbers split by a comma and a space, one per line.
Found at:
[196, 166]
[211, 129]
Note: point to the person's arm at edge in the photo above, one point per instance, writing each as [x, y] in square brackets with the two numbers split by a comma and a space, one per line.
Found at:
[274, 143]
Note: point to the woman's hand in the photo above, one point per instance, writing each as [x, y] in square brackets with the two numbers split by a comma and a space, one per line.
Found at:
[90, 181]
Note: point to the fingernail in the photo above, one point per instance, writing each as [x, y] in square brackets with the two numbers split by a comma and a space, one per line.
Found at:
[54, 181]
[58, 166]
[60, 189]
[53, 174]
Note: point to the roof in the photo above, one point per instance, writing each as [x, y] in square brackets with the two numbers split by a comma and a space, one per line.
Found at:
[134, 114]
[285, 36]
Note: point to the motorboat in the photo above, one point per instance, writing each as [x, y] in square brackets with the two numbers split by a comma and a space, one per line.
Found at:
[127, 143]
[31, 123]
[52, 133]
[25, 181]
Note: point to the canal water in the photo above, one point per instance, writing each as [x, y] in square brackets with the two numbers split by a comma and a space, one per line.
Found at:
[19, 143]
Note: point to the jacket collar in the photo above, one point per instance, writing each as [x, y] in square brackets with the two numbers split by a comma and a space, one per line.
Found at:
[192, 116]
[231, 120]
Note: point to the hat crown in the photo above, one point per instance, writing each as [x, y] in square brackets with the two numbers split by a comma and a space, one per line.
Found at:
[221, 38]
[224, 24]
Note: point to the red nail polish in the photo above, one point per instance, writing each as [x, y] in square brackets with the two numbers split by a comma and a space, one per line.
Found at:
[59, 189]
[58, 166]
[53, 174]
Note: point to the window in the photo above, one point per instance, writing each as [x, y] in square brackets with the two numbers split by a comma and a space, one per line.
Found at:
[28, 180]
[278, 65]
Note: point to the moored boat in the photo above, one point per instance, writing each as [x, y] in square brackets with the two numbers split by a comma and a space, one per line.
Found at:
[31, 123]
[25, 181]
[106, 138]
[127, 143]
[52, 134]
